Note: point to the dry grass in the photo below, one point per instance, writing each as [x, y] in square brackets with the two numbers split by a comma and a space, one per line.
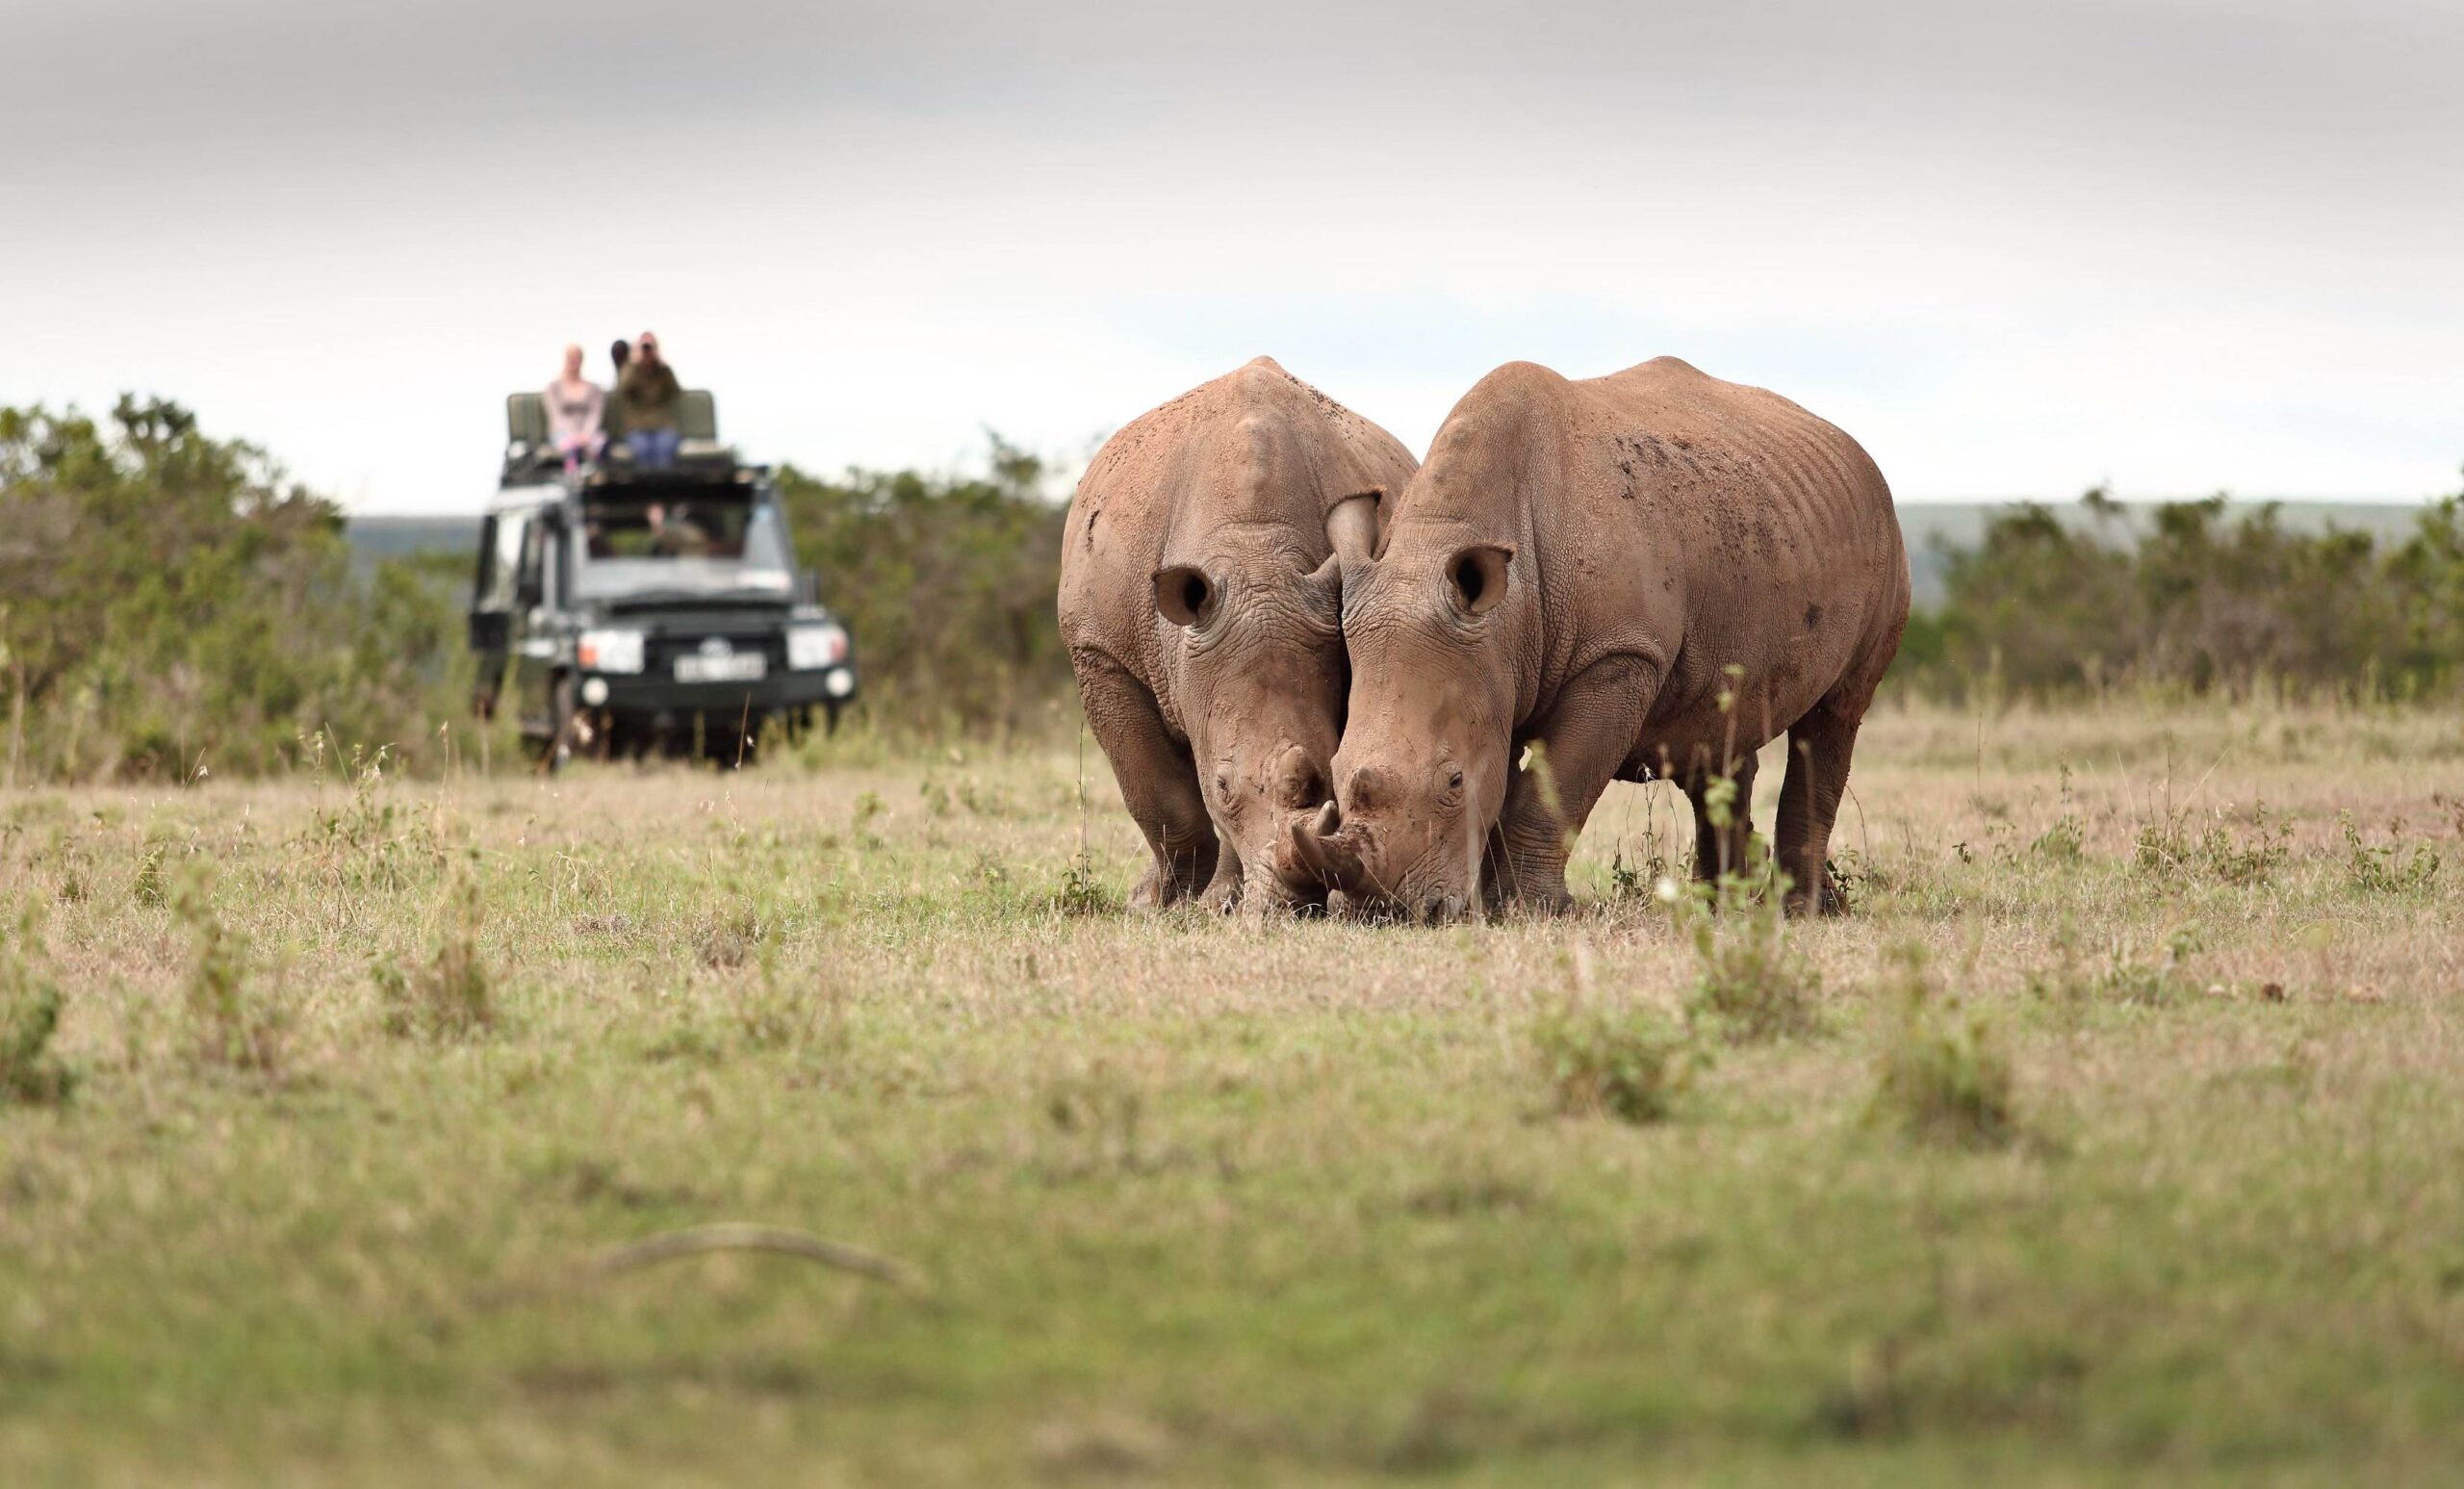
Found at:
[1214, 1200]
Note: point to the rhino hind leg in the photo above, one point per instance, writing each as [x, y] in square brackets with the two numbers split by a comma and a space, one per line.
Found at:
[1158, 782]
[1717, 850]
[1819, 747]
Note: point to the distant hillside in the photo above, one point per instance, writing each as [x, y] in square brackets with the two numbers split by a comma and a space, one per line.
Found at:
[1930, 527]
[372, 538]
[1933, 528]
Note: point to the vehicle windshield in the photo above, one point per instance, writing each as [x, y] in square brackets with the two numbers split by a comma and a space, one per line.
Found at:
[689, 542]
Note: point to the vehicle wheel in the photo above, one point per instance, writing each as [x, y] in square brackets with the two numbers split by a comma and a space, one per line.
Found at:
[561, 724]
[830, 718]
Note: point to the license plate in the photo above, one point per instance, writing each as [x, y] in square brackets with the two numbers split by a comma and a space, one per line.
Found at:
[737, 667]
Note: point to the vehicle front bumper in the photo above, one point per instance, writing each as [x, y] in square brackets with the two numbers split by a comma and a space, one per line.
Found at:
[638, 693]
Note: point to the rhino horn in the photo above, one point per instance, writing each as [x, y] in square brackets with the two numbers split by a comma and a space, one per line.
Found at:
[1328, 853]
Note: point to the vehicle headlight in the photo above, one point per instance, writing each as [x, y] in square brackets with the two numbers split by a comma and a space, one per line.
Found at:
[813, 647]
[610, 651]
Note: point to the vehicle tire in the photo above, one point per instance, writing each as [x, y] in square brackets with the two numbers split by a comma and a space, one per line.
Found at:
[830, 719]
[561, 723]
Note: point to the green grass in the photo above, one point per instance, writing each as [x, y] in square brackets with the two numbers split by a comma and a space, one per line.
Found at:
[357, 1117]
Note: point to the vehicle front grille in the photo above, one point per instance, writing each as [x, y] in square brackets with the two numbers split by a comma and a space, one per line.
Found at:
[660, 650]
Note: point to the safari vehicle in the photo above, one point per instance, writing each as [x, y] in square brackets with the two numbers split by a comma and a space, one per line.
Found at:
[644, 610]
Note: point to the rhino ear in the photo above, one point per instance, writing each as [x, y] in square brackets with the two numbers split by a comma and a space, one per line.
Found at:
[1351, 525]
[1475, 578]
[1184, 594]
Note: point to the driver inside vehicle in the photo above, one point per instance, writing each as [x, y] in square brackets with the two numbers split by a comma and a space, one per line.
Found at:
[675, 535]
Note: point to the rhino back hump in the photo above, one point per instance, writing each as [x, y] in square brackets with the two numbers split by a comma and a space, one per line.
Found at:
[1771, 529]
[1256, 448]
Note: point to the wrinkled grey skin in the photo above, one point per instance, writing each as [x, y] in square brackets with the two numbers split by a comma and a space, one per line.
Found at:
[1199, 601]
[1576, 568]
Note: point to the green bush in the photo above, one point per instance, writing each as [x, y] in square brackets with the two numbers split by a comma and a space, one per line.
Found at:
[1944, 1078]
[1751, 986]
[171, 606]
[448, 997]
[2191, 598]
[2168, 850]
[231, 1021]
[1632, 1064]
[2381, 869]
[947, 583]
[31, 1072]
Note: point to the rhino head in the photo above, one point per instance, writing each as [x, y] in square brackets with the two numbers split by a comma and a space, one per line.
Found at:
[1432, 626]
[1263, 687]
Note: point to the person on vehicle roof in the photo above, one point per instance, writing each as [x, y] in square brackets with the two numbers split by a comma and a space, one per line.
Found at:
[576, 413]
[649, 394]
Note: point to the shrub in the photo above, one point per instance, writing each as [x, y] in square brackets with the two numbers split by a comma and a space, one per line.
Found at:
[2168, 847]
[946, 582]
[2159, 981]
[2188, 594]
[1944, 1079]
[1630, 1063]
[447, 997]
[31, 1073]
[1082, 892]
[730, 937]
[2067, 840]
[230, 1024]
[175, 605]
[1751, 984]
[2378, 870]
[145, 885]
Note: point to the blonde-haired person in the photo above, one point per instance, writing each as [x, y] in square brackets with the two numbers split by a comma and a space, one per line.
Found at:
[576, 413]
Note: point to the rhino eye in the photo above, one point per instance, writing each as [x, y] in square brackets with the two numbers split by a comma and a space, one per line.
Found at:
[1454, 781]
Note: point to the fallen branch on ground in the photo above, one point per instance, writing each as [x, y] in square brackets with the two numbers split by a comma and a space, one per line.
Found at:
[735, 1236]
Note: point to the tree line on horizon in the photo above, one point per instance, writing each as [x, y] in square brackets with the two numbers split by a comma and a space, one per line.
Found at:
[171, 605]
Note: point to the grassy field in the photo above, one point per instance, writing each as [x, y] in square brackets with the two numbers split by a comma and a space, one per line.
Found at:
[2119, 1133]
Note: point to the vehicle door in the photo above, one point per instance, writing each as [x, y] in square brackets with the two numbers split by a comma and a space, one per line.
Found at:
[491, 620]
[538, 625]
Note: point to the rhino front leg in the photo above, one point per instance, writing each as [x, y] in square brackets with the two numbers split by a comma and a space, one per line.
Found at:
[1583, 741]
[1222, 895]
[1157, 780]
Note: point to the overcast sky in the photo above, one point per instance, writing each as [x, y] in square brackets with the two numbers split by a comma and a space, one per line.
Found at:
[2177, 246]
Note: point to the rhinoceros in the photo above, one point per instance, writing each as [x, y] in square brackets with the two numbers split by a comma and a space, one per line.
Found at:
[1644, 576]
[1200, 587]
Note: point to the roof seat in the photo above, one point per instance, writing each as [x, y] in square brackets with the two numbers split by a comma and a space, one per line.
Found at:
[697, 418]
[526, 418]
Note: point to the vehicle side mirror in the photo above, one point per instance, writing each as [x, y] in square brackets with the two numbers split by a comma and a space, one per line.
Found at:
[490, 630]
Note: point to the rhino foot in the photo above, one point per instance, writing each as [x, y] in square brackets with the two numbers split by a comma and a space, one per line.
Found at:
[1154, 892]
